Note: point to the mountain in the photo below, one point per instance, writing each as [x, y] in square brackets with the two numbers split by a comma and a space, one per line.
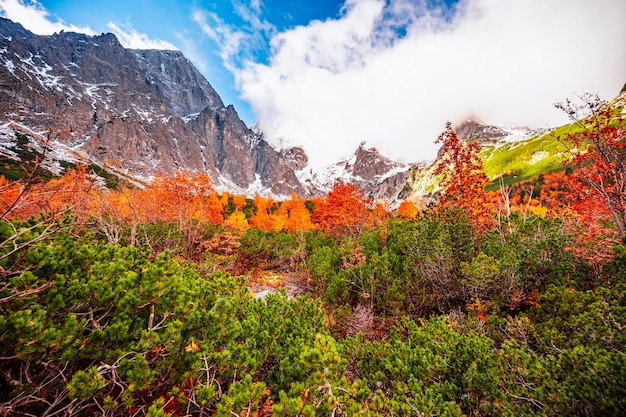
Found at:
[512, 152]
[379, 177]
[138, 112]
[491, 134]
[168, 71]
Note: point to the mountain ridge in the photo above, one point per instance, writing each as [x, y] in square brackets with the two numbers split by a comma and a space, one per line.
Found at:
[112, 105]
[140, 113]
[145, 112]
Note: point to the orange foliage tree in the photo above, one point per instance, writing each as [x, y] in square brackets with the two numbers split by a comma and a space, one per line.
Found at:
[378, 214]
[239, 201]
[180, 198]
[297, 216]
[48, 202]
[237, 220]
[263, 218]
[463, 178]
[407, 209]
[224, 198]
[344, 211]
[74, 189]
[597, 144]
[112, 211]
[599, 156]
[32, 197]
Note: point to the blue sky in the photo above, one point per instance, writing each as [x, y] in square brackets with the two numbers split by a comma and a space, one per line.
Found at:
[328, 75]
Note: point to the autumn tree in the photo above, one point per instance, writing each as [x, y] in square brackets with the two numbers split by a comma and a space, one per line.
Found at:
[378, 213]
[297, 216]
[237, 220]
[50, 203]
[32, 197]
[72, 190]
[239, 201]
[462, 177]
[187, 201]
[344, 211]
[263, 218]
[111, 213]
[407, 209]
[181, 198]
[598, 147]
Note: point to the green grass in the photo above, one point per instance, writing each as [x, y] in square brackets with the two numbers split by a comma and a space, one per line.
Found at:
[514, 162]
[528, 159]
[524, 160]
[13, 169]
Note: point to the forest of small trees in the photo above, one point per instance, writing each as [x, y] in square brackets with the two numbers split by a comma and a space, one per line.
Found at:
[137, 301]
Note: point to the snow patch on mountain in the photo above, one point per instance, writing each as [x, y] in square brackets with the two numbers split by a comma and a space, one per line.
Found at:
[366, 168]
[53, 151]
[190, 117]
[42, 72]
[483, 132]
[517, 133]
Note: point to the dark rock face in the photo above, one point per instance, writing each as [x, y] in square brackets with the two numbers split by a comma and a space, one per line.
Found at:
[184, 89]
[274, 164]
[147, 112]
[474, 130]
[379, 177]
[370, 164]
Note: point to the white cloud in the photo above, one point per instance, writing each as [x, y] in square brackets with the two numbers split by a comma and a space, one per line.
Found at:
[132, 39]
[236, 44]
[332, 84]
[252, 15]
[255, 5]
[230, 41]
[36, 18]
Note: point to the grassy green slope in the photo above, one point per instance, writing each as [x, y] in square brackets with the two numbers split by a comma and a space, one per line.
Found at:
[514, 161]
[25, 160]
[527, 159]
[519, 161]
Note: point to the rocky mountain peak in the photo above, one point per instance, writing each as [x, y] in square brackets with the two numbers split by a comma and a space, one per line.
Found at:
[143, 112]
[369, 164]
[140, 111]
[379, 177]
[476, 130]
[184, 88]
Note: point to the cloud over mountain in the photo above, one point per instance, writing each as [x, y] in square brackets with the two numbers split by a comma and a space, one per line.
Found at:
[388, 72]
[392, 73]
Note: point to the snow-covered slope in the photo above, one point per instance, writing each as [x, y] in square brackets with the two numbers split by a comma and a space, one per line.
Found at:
[379, 177]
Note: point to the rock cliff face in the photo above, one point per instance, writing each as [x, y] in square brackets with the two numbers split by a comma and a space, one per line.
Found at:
[144, 111]
[147, 112]
[184, 89]
[484, 133]
[380, 178]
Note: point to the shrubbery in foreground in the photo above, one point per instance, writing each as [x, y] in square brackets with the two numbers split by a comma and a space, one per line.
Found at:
[501, 325]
